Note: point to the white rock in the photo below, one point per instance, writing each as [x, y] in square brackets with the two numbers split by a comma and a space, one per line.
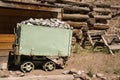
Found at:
[3, 66]
[66, 72]
[99, 75]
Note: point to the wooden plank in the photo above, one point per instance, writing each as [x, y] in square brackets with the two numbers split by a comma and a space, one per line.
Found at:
[115, 6]
[28, 6]
[102, 10]
[102, 5]
[82, 4]
[6, 41]
[102, 16]
[75, 16]
[6, 38]
[111, 47]
[26, 13]
[76, 9]
[90, 39]
[5, 46]
[96, 32]
[101, 26]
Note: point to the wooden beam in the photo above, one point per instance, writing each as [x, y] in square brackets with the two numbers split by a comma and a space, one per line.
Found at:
[102, 16]
[28, 7]
[76, 3]
[75, 16]
[101, 26]
[5, 46]
[76, 9]
[102, 5]
[7, 38]
[26, 13]
[102, 10]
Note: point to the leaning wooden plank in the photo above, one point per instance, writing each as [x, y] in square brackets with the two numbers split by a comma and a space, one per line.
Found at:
[102, 16]
[90, 39]
[75, 16]
[77, 25]
[105, 42]
[100, 26]
[42, 77]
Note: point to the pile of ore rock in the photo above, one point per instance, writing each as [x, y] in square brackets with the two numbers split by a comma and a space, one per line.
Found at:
[53, 22]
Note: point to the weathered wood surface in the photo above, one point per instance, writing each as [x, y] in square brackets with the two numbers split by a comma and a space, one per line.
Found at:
[29, 7]
[115, 6]
[76, 3]
[94, 36]
[5, 46]
[102, 5]
[102, 16]
[76, 9]
[6, 38]
[109, 40]
[101, 26]
[75, 16]
[102, 10]
[41, 77]
[77, 25]
[6, 41]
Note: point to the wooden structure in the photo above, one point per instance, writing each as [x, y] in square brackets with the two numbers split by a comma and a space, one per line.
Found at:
[112, 41]
[94, 37]
[12, 12]
[102, 38]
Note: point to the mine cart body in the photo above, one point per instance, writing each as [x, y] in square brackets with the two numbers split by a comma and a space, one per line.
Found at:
[41, 43]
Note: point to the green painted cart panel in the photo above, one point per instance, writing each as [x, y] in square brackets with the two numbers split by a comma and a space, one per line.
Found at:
[44, 41]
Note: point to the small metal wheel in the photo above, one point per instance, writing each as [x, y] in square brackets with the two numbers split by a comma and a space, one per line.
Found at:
[27, 67]
[49, 66]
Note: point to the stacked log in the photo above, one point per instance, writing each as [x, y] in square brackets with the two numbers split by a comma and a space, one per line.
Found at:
[101, 13]
[74, 16]
[81, 16]
[115, 10]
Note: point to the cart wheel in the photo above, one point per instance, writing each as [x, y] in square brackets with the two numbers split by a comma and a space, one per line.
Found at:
[49, 66]
[27, 67]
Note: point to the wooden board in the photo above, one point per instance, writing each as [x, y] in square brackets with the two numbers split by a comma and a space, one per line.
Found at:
[6, 38]
[75, 16]
[6, 41]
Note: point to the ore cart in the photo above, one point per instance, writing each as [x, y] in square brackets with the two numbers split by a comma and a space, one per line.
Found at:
[41, 45]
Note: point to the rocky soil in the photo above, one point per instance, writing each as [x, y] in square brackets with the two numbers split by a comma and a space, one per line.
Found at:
[85, 65]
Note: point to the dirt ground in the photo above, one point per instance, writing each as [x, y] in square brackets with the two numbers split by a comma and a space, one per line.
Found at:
[97, 62]
[85, 60]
